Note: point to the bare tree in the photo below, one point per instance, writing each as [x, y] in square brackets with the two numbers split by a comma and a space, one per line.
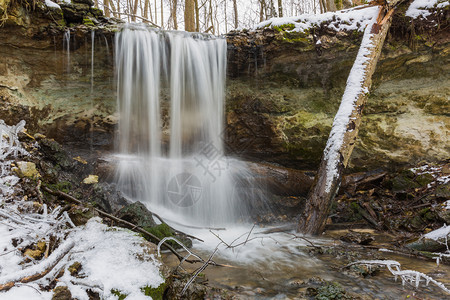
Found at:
[106, 8]
[236, 21]
[197, 16]
[162, 14]
[280, 8]
[189, 21]
[174, 14]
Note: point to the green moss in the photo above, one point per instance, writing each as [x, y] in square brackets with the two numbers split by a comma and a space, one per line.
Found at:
[155, 293]
[96, 12]
[63, 186]
[424, 179]
[118, 294]
[284, 27]
[87, 21]
[331, 291]
[163, 230]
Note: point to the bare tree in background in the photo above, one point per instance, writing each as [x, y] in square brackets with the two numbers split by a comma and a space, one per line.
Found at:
[280, 8]
[189, 11]
[236, 21]
[106, 8]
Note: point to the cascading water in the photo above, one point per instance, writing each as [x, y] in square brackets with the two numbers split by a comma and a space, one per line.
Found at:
[171, 106]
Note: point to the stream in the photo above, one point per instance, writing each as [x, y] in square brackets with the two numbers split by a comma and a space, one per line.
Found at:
[282, 266]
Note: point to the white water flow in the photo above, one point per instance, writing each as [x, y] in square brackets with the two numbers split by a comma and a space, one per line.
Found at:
[66, 46]
[171, 106]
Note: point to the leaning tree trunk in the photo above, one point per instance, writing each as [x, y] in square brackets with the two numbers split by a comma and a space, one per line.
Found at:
[345, 127]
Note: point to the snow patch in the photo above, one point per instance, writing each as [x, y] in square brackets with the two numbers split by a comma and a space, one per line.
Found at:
[421, 8]
[438, 234]
[356, 18]
[51, 4]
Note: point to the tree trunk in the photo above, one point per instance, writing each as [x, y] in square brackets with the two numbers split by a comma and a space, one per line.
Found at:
[280, 8]
[162, 15]
[330, 5]
[189, 22]
[345, 128]
[174, 14]
[262, 9]
[113, 9]
[146, 4]
[236, 22]
[197, 16]
[106, 8]
[156, 14]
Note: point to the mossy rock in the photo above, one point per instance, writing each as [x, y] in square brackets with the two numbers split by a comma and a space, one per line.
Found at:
[62, 293]
[62, 186]
[88, 22]
[331, 291]
[137, 214]
[96, 12]
[55, 153]
[163, 230]
[403, 182]
[156, 293]
[424, 179]
[443, 191]
[284, 27]
[80, 216]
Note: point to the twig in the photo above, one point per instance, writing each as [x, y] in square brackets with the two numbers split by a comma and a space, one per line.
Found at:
[201, 269]
[305, 239]
[39, 193]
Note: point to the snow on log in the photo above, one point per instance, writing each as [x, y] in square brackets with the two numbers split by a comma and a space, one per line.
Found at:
[37, 271]
[346, 123]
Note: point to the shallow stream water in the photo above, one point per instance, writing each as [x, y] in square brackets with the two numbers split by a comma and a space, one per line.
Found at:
[283, 266]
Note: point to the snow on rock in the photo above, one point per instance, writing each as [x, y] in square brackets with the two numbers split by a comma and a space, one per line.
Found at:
[421, 8]
[356, 18]
[447, 205]
[353, 90]
[440, 235]
[111, 258]
[51, 4]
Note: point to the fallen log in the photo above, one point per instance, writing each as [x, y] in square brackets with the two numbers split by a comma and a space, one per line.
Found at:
[346, 124]
[37, 271]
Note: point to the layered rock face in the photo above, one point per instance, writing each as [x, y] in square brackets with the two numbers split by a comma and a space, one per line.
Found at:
[50, 77]
[282, 92]
[285, 88]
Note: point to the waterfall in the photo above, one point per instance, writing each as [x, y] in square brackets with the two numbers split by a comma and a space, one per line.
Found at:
[66, 46]
[170, 90]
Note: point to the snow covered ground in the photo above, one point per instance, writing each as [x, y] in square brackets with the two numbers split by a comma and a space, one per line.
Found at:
[35, 239]
[422, 8]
